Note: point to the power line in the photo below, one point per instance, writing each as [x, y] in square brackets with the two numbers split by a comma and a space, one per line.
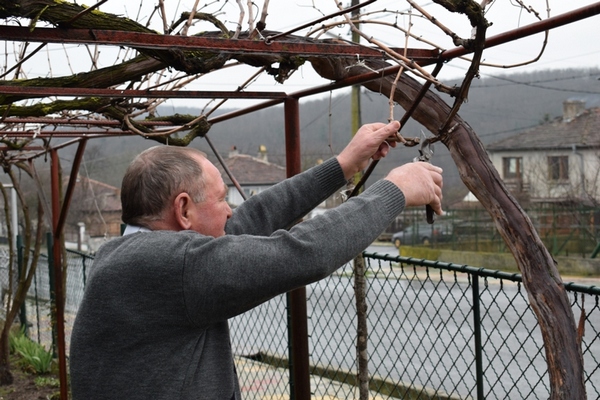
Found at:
[522, 128]
[536, 83]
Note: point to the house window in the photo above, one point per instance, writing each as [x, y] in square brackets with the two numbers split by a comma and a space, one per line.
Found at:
[511, 167]
[558, 168]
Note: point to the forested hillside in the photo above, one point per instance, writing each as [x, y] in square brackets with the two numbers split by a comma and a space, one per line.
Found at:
[498, 106]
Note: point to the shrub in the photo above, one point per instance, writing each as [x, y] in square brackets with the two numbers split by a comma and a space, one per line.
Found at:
[34, 357]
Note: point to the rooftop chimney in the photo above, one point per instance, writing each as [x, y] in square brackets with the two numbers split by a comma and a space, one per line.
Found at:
[262, 153]
[572, 108]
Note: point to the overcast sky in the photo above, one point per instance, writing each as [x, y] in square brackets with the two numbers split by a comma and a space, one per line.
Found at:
[574, 45]
[571, 46]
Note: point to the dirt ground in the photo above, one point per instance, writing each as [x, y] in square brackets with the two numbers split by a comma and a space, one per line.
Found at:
[24, 387]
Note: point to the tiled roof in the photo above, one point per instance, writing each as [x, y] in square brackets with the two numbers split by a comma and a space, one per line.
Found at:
[90, 194]
[249, 170]
[583, 131]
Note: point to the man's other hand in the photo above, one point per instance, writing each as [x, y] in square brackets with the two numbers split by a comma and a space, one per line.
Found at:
[370, 141]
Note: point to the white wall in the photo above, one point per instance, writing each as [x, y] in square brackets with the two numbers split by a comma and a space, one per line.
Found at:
[235, 199]
[535, 173]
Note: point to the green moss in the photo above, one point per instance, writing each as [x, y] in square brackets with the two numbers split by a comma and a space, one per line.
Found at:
[44, 109]
[177, 119]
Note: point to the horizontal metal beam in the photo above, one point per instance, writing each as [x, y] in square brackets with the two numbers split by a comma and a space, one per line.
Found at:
[550, 23]
[506, 37]
[157, 41]
[129, 93]
[84, 134]
[85, 130]
[73, 121]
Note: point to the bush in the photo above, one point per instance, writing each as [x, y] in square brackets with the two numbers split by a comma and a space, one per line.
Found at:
[34, 357]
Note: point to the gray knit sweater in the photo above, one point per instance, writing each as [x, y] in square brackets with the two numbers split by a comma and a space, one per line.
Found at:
[153, 320]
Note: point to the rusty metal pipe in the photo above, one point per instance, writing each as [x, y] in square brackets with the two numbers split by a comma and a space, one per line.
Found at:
[129, 93]
[156, 41]
[226, 168]
[73, 121]
[300, 376]
[553, 22]
[59, 293]
[71, 186]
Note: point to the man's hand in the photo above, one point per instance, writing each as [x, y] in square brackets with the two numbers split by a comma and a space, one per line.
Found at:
[369, 142]
[421, 184]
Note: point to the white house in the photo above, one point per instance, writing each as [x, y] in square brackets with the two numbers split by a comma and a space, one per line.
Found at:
[254, 174]
[556, 161]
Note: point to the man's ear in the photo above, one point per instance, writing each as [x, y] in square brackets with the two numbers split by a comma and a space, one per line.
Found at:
[182, 207]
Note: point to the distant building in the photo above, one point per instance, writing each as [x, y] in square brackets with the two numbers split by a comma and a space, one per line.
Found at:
[254, 174]
[96, 207]
[555, 162]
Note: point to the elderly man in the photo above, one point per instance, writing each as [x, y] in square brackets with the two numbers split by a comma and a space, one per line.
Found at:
[153, 323]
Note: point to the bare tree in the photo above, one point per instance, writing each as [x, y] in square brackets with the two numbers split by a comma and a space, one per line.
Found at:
[31, 250]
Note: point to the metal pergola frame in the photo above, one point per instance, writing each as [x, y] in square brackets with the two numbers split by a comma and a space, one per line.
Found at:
[299, 328]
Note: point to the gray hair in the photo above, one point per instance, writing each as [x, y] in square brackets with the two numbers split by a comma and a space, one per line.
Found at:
[155, 177]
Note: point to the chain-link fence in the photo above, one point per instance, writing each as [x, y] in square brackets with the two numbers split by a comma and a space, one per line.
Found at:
[436, 330]
[37, 311]
[565, 230]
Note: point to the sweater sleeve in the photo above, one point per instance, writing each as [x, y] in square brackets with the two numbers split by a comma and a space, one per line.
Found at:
[257, 268]
[283, 204]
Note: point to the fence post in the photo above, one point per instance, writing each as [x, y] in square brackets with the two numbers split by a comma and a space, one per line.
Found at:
[50, 245]
[477, 336]
[290, 344]
[83, 258]
[23, 311]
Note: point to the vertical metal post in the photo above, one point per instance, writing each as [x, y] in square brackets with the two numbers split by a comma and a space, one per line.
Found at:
[15, 241]
[477, 335]
[13, 214]
[50, 247]
[37, 308]
[84, 270]
[292, 382]
[58, 276]
[476, 230]
[23, 311]
[299, 373]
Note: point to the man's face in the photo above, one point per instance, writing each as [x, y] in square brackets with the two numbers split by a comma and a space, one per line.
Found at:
[214, 211]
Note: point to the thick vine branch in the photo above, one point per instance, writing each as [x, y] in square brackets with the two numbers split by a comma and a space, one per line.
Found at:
[541, 279]
[474, 13]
